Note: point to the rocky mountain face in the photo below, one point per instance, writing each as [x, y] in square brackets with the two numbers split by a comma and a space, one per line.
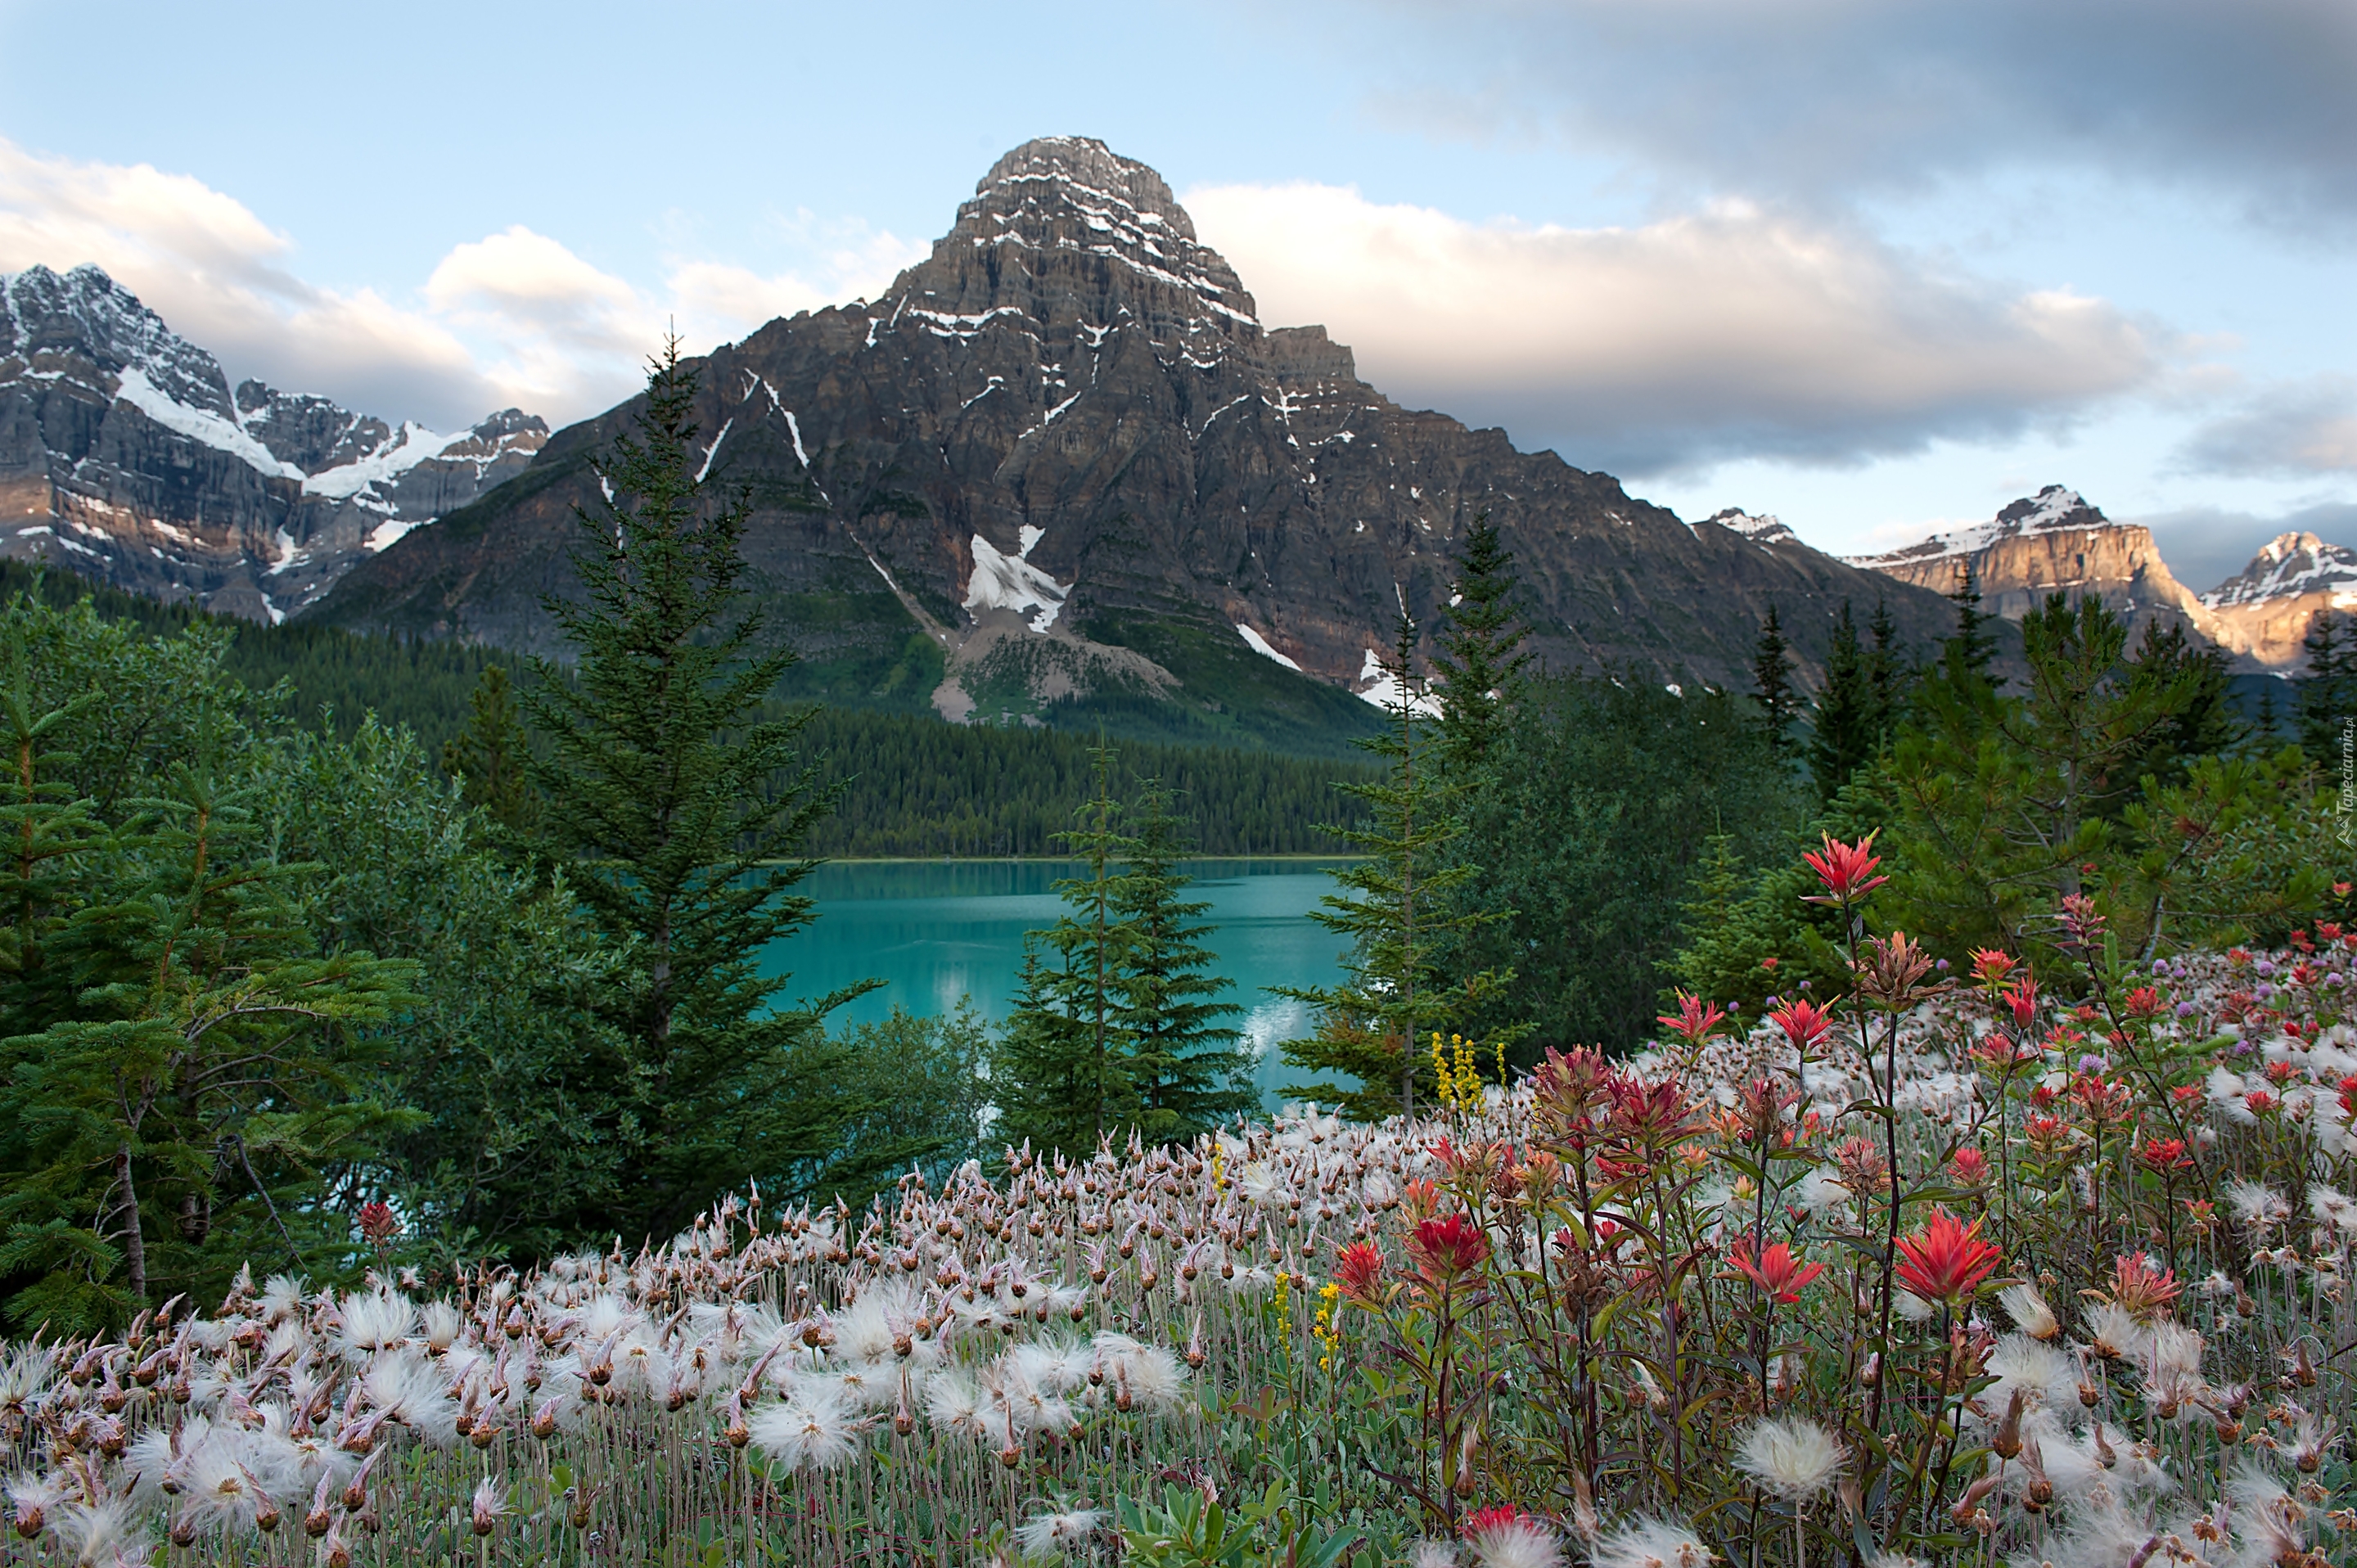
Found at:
[2054, 539]
[2264, 612]
[2043, 543]
[1067, 452]
[126, 455]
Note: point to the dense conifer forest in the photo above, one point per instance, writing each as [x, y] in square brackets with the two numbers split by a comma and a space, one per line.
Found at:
[914, 786]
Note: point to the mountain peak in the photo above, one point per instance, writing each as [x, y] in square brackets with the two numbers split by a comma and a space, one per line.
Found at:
[1064, 235]
[125, 454]
[64, 325]
[1761, 528]
[2055, 508]
[2292, 566]
[1082, 169]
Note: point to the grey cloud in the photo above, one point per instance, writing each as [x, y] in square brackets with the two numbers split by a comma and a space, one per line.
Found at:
[2298, 430]
[2206, 546]
[1730, 332]
[1818, 98]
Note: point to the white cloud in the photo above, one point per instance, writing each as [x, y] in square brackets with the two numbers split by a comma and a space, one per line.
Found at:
[215, 271]
[515, 317]
[1727, 332]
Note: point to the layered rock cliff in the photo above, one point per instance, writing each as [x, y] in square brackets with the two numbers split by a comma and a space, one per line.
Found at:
[1066, 449]
[126, 455]
[2053, 542]
[2264, 612]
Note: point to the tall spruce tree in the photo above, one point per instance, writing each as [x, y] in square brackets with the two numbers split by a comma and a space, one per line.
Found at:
[681, 816]
[1480, 660]
[2325, 689]
[1886, 669]
[1968, 652]
[1395, 906]
[1845, 732]
[1186, 1064]
[489, 757]
[1771, 685]
[1064, 1060]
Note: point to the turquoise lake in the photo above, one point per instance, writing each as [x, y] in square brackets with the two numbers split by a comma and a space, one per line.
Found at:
[934, 931]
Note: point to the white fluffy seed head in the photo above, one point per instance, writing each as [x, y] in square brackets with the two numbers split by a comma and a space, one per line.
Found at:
[1794, 1459]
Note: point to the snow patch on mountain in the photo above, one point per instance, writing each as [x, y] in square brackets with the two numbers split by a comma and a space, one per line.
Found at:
[1260, 645]
[1382, 688]
[2292, 566]
[411, 444]
[2054, 509]
[1003, 582]
[198, 424]
[1759, 527]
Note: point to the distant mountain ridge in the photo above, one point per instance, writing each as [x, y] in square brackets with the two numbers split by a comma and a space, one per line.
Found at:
[2263, 611]
[125, 454]
[1065, 453]
[2057, 540]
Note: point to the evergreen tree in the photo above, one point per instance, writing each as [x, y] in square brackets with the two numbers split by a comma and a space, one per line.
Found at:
[1065, 1060]
[1395, 906]
[1480, 659]
[663, 798]
[1886, 670]
[1845, 733]
[1771, 685]
[1966, 657]
[2196, 675]
[2325, 689]
[2001, 820]
[490, 757]
[1186, 1066]
[187, 1099]
[2267, 728]
[1048, 1085]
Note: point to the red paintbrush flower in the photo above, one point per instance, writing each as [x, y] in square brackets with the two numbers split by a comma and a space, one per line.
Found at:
[1481, 1521]
[1970, 1168]
[2022, 997]
[1990, 966]
[1695, 1021]
[379, 1225]
[2144, 1002]
[1804, 1023]
[1776, 1270]
[1358, 1269]
[1946, 1260]
[1846, 869]
[1449, 1247]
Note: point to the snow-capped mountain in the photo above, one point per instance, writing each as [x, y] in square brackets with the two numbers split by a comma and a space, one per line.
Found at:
[2263, 611]
[1759, 528]
[125, 455]
[1066, 449]
[2043, 543]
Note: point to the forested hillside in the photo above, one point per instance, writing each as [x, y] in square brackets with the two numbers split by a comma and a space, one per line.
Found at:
[913, 784]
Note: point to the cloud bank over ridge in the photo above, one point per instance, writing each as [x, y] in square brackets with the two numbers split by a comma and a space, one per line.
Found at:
[1728, 332]
[513, 318]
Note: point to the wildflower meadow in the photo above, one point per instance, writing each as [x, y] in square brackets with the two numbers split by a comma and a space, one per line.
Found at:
[1976, 1261]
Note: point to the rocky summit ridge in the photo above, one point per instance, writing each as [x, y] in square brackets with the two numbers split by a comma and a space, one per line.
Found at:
[1066, 451]
[2055, 541]
[126, 454]
[2264, 612]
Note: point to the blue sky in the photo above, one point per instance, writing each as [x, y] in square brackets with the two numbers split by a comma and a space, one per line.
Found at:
[1874, 266]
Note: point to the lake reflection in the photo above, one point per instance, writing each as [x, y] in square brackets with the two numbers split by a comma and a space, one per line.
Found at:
[934, 931]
